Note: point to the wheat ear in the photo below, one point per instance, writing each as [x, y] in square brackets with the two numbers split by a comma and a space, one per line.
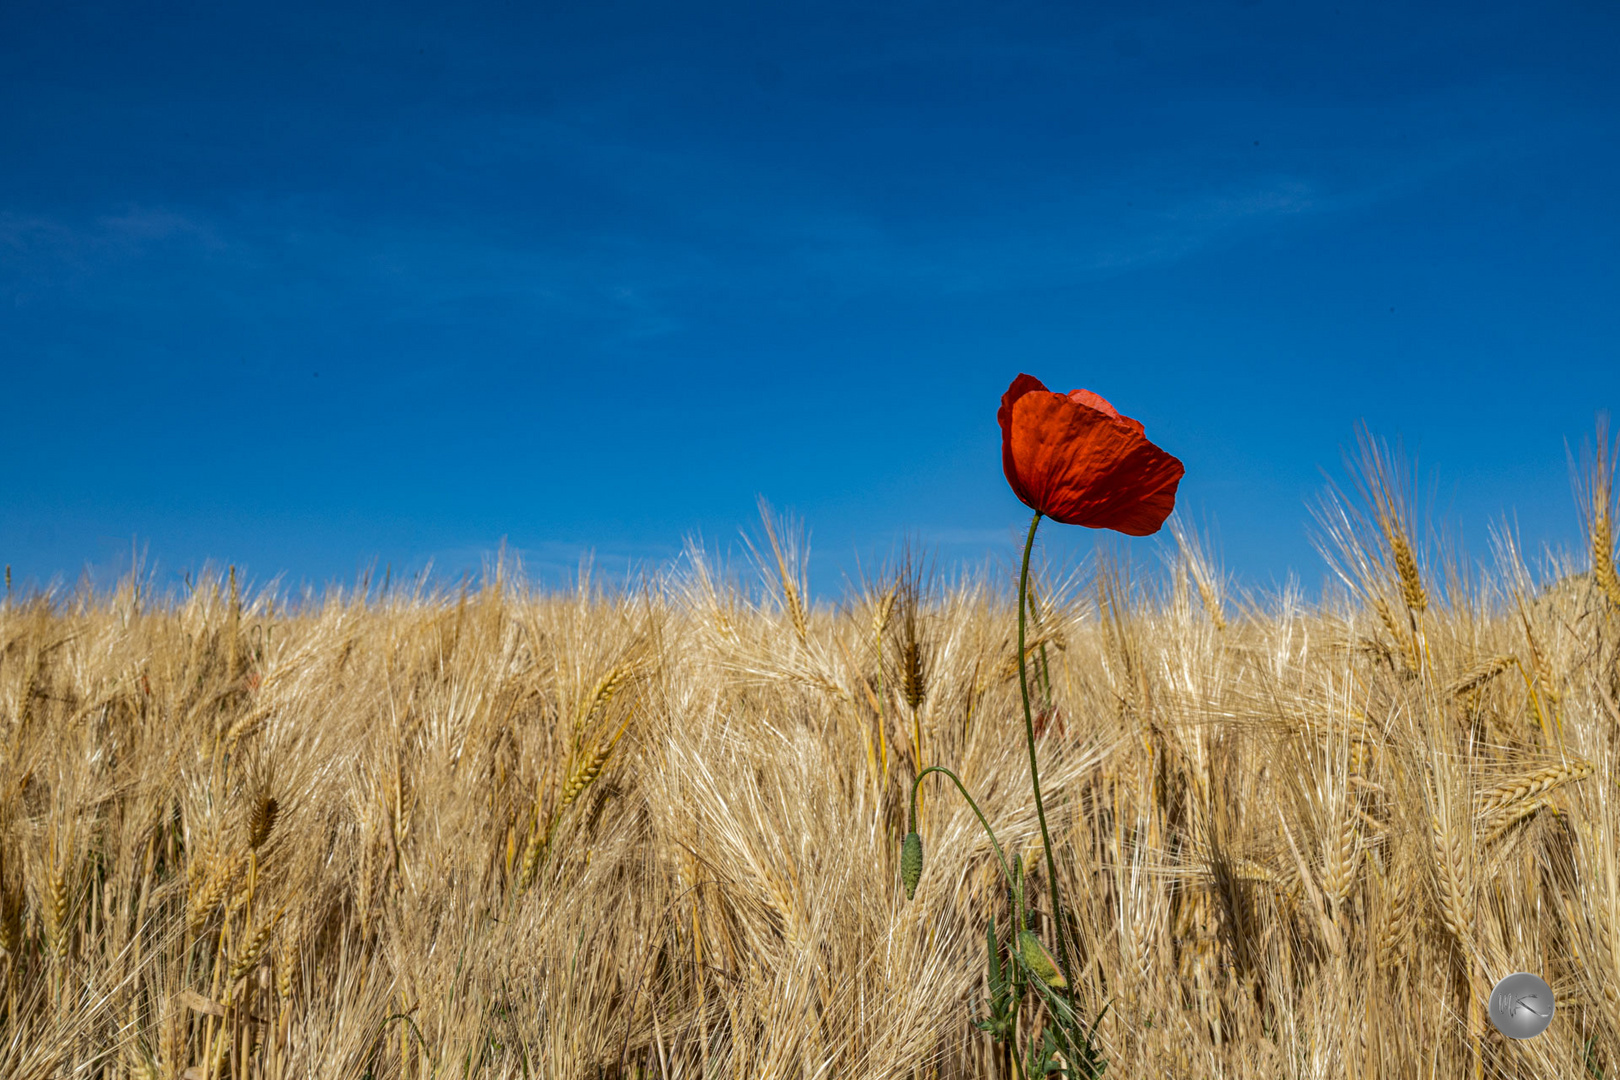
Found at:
[1536, 783]
[588, 769]
[1403, 637]
[262, 820]
[1406, 566]
[287, 961]
[1450, 854]
[882, 610]
[248, 954]
[1513, 814]
[1397, 914]
[1212, 604]
[1603, 559]
[912, 682]
[1480, 674]
[10, 922]
[1340, 871]
[218, 882]
[580, 777]
[56, 908]
[795, 606]
[616, 678]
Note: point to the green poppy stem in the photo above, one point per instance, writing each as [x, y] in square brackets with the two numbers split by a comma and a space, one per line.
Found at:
[1014, 884]
[977, 813]
[1034, 769]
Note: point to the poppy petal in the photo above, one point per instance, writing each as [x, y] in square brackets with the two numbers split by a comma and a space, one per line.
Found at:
[1024, 384]
[1096, 401]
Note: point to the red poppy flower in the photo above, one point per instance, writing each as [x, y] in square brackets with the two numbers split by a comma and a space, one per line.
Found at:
[1074, 458]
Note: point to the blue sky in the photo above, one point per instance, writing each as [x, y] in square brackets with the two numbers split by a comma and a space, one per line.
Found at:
[304, 287]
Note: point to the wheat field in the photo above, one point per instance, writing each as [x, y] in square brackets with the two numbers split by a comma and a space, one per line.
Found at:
[655, 831]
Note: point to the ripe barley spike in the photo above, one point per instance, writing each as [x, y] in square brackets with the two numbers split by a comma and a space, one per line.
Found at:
[911, 673]
[262, 821]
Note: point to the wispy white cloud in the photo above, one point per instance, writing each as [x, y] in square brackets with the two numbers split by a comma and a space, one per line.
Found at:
[39, 240]
[548, 561]
[43, 255]
[708, 221]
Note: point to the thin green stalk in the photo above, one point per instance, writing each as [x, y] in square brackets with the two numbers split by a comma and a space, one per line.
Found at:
[1034, 769]
[1014, 884]
[883, 720]
[977, 812]
[1046, 677]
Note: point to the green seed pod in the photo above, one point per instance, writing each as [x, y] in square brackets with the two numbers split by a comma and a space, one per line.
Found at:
[1036, 956]
[911, 863]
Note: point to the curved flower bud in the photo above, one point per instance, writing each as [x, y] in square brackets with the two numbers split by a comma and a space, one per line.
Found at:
[911, 863]
[1040, 960]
